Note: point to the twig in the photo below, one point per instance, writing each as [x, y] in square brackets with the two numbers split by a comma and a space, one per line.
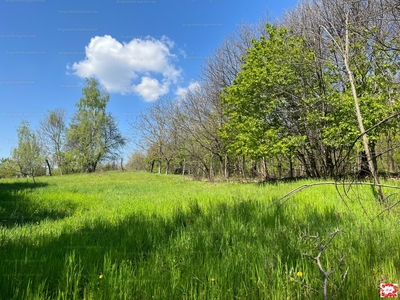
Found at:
[304, 186]
[341, 283]
[317, 259]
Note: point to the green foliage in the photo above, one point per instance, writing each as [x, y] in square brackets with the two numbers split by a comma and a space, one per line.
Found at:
[93, 133]
[27, 154]
[8, 168]
[263, 106]
[374, 71]
[138, 162]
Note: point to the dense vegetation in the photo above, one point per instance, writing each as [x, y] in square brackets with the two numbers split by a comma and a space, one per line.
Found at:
[116, 235]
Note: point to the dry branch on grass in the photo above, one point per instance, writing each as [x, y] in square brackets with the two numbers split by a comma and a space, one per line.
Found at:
[321, 248]
[336, 184]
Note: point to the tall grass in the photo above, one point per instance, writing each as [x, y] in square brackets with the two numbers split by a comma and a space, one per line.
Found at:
[145, 236]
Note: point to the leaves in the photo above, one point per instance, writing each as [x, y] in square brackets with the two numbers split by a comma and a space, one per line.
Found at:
[93, 134]
[263, 104]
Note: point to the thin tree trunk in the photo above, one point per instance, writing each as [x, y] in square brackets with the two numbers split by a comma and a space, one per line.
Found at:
[152, 166]
[60, 164]
[226, 167]
[390, 160]
[183, 167]
[167, 167]
[211, 167]
[48, 166]
[291, 166]
[279, 168]
[264, 168]
[360, 119]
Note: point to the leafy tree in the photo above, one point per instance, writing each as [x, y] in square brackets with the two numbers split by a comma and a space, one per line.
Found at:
[264, 104]
[137, 161]
[52, 133]
[93, 134]
[8, 168]
[27, 155]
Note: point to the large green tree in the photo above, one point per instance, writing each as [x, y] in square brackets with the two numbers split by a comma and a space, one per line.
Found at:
[265, 104]
[93, 134]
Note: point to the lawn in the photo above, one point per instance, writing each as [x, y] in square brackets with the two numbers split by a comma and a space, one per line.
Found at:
[126, 235]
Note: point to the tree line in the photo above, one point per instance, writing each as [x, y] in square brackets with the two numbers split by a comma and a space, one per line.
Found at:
[91, 137]
[314, 94]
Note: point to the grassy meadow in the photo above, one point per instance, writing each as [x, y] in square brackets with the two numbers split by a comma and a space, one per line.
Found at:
[125, 235]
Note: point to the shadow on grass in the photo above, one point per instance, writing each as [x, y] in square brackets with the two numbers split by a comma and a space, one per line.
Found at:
[139, 241]
[17, 208]
[275, 181]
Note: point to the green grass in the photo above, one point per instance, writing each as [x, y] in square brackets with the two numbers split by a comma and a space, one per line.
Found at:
[145, 236]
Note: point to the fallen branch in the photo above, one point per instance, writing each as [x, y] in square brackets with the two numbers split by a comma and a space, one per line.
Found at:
[317, 259]
[305, 186]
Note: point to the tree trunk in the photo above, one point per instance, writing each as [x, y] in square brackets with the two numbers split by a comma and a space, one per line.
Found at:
[279, 168]
[48, 166]
[360, 119]
[152, 166]
[167, 167]
[60, 164]
[264, 168]
[291, 167]
[226, 167]
[390, 160]
[211, 167]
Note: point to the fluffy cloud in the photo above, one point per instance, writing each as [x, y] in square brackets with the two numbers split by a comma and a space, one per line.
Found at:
[142, 66]
[192, 87]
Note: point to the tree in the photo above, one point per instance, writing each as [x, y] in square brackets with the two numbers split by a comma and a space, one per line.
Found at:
[27, 155]
[52, 133]
[154, 128]
[93, 134]
[356, 45]
[137, 162]
[8, 168]
[265, 104]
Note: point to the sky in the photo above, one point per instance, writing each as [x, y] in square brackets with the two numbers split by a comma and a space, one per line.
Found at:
[140, 50]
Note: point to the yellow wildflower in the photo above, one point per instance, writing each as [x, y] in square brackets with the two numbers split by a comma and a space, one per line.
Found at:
[300, 274]
[101, 276]
[291, 279]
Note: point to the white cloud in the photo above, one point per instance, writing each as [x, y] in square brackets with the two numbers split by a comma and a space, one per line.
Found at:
[192, 87]
[150, 88]
[130, 67]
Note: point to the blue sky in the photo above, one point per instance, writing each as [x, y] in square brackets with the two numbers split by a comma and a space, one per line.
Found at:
[139, 49]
